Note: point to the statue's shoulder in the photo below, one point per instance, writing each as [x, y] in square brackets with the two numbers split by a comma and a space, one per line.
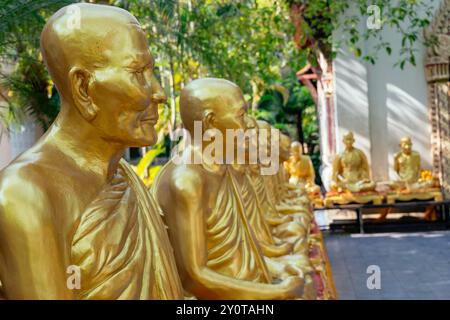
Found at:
[359, 151]
[187, 179]
[24, 200]
[415, 154]
[21, 174]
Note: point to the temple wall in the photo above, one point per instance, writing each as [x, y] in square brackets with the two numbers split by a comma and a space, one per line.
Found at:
[381, 103]
[5, 148]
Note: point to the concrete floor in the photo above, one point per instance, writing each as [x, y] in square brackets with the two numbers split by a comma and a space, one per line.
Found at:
[412, 265]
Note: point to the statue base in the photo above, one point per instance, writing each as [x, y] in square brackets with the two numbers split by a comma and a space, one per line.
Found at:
[319, 259]
[430, 194]
[317, 202]
[335, 198]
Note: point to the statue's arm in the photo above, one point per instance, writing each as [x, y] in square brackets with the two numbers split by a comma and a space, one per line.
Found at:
[396, 162]
[417, 165]
[365, 165]
[192, 251]
[336, 168]
[30, 256]
[312, 173]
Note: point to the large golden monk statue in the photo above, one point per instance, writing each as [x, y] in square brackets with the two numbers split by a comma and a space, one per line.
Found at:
[351, 176]
[217, 252]
[70, 203]
[410, 184]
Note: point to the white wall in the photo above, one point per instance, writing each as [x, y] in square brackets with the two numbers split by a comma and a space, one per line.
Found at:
[19, 139]
[382, 103]
[5, 149]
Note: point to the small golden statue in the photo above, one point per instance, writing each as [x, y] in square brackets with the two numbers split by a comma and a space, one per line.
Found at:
[351, 177]
[301, 172]
[412, 183]
[75, 220]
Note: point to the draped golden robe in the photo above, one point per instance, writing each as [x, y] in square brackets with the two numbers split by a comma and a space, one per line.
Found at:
[296, 231]
[254, 212]
[121, 245]
[232, 247]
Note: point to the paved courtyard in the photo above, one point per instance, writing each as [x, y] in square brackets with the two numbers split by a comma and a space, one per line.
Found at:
[412, 265]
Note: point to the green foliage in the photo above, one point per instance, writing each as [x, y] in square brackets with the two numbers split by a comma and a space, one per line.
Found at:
[249, 42]
[291, 109]
[406, 17]
[28, 83]
[142, 168]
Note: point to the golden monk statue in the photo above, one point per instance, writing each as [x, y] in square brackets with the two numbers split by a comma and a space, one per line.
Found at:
[70, 208]
[302, 230]
[280, 253]
[351, 177]
[217, 253]
[351, 169]
[286, 198]
[301, 171]
[410, 185]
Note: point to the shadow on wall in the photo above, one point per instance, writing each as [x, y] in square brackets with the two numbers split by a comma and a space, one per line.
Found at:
[5, 149]
[351, 101]
[408, 116]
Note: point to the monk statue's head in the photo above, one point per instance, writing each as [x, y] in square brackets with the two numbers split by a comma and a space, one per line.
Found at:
[406, 145]
[296, 148]
[264, 133]
[215, 103]
[348, 140]
[252, 142]
[251, 122]
[268, 144]
[285, 144]
[99, 60]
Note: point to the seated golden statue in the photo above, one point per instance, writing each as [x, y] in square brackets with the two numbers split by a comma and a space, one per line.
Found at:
[410, 185]
[217, 252]
[297, 195]
[351, 177]
[70, 203]
[287, 198]
[301, 172]
[289, 214]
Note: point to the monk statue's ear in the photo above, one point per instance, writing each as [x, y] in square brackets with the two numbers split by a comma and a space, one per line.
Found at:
[208, 120]
[79, 81]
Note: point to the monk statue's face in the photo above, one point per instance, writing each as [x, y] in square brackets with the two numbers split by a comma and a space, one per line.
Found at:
[285, 146]
[406, 146]
[296, 149]
[126, 91]
[348, 141]
[252, 142]
[103, 68]
[264, 135]
[231, 110]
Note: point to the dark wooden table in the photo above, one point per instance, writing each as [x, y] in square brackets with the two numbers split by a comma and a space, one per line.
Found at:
[443, 208]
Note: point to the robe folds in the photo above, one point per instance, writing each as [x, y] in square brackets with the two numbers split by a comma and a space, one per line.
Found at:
[121, 244]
